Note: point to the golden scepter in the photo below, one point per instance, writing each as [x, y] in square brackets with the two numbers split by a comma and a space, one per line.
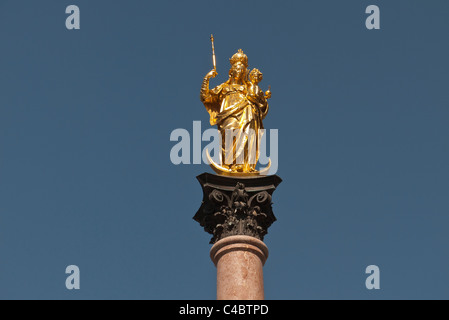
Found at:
[213, 52]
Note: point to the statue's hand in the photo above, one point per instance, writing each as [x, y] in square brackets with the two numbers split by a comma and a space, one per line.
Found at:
[212, 74]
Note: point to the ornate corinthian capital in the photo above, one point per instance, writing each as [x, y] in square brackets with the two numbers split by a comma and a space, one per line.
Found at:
[236, 206]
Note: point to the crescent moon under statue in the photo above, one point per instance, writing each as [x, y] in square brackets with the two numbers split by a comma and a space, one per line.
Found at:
[228, 172]
[238, 106]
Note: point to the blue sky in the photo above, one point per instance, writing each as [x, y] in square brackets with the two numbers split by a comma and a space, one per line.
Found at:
[85, 121]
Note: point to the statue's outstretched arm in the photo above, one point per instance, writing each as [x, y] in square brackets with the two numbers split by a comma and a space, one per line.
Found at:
[205, 94]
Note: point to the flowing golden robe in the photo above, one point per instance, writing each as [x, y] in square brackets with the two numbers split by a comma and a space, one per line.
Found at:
[231, 108]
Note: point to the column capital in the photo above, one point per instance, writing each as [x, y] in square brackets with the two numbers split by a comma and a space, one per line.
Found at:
[236, 205]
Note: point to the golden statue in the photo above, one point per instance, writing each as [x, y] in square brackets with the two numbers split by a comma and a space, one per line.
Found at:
[237, 107]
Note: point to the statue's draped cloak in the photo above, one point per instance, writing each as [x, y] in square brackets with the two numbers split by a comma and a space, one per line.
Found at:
[229, 108]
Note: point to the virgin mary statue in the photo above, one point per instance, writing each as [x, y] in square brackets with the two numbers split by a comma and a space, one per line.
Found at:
[238, 110]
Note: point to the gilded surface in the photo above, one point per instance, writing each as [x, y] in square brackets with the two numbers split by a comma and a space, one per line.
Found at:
[237, 107]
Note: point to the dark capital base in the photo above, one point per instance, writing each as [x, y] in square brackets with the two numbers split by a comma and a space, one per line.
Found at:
[236, 206]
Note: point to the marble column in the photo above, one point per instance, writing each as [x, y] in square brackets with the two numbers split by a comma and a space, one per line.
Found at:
[239, 261]
[237, 211]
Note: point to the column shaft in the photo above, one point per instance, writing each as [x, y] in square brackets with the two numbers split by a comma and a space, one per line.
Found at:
[239, 261]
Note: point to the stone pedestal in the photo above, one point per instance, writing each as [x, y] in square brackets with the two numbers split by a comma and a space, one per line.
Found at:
[237, 212]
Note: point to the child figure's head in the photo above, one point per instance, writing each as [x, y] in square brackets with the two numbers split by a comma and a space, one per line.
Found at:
[255, 76]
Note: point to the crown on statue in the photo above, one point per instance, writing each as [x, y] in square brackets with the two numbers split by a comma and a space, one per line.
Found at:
[239, 57]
